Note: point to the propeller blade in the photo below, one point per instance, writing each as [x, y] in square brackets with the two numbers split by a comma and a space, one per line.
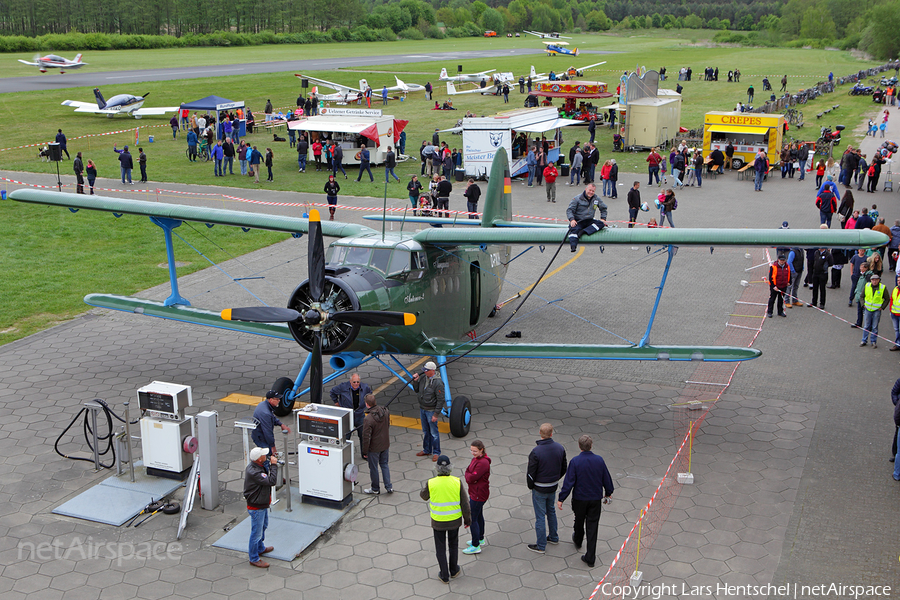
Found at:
[373, 318]
[315, 371]
[316, 257]
[261, 314]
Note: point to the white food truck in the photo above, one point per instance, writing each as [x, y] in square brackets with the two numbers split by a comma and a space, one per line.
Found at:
[351, 128]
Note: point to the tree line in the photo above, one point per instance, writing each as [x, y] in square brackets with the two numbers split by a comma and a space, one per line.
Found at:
[870, 25]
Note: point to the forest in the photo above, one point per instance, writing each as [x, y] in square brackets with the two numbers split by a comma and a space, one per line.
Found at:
[33, 25]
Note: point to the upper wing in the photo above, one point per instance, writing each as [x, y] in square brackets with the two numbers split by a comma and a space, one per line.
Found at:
[335, 86]
[83, 106]
[515, 233]
[161, 110]
[198, 214]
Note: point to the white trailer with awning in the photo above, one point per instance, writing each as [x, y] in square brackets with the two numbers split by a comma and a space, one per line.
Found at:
[482, 136]
[351, 128]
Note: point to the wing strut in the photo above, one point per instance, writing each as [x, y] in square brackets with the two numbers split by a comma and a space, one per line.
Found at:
[662, 284]
[167, 226]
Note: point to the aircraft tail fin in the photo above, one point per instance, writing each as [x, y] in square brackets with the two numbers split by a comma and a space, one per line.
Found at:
[498, 198]
[363, 84]
[575, 52]
[101, 103]
[443, 73]
[533, 73]
[77, 58]
[451, 89]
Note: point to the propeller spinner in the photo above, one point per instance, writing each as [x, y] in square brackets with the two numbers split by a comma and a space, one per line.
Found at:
[320, 315]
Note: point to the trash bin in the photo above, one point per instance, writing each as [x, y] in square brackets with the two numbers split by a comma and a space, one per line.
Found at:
[564, 170]
[242, 127]
[150, 140]
[460, 174]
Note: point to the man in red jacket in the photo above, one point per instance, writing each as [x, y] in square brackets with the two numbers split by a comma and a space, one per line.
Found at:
[550, 175]
[779, 277]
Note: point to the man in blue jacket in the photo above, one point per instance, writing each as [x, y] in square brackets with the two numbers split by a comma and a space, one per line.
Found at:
[265, 418]
[591, 486]
[546, 466]
[352, 394]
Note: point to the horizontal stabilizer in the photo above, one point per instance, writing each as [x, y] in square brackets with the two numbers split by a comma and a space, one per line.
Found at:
[592, 351]
[185, 314]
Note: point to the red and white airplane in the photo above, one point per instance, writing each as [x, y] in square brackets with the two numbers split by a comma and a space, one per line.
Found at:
[52, 61]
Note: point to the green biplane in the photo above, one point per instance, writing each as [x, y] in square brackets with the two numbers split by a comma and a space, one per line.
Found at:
[374, 295]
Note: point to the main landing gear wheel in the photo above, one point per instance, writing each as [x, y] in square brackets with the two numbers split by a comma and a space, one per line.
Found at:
[285, 406]
[460, 416]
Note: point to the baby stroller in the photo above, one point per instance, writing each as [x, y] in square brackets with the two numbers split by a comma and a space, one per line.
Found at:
[424, 206]
[618, 144]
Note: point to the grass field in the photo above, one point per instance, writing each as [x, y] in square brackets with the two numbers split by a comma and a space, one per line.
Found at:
[60, 258]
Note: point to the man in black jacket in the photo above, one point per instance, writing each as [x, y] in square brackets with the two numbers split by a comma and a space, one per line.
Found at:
[78, 167]
[634, 203]
[472, 194]
[390, 161]
[546, 466]
[259, 478]
[822, 261]
[443, 200]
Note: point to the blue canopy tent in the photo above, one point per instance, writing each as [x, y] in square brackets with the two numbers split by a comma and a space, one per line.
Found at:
[216, 104]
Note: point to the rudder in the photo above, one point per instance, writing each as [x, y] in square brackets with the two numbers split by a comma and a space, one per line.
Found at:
[498, 197]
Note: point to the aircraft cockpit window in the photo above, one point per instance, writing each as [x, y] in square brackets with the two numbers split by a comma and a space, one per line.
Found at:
[380, 259]
[335, 254]
[357, 256]
[418, 261]
[400, 261]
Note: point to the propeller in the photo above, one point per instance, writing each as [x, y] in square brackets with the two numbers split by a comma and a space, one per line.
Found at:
[317, 312]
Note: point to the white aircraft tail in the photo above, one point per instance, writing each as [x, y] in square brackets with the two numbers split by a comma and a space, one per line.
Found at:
[451, 89]
[575, 52]
[443, 73]
[77, 58]
[533, 74]
[363, 84]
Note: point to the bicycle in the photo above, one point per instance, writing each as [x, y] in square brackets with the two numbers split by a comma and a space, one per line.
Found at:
[202, 153]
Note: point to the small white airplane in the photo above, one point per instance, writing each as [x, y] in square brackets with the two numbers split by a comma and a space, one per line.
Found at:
[401, 86]
[344, 96]
[571, 72]
[465, 77]
[124, 104]
[552, 34]
[52, 61]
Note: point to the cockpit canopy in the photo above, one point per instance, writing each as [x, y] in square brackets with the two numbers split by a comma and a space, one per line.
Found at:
[388, 257]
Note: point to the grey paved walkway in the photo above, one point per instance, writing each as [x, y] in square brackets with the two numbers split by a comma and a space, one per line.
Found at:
[792, 481]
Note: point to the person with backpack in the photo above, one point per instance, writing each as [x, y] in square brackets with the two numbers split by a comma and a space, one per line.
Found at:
[826, 202]
[760, 168]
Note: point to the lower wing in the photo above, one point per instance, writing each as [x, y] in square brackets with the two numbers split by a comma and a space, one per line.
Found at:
[590, 351]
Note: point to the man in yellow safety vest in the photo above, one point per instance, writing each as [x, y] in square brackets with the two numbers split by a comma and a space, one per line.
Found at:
[895, 315]
[448, 504]
[875, 301]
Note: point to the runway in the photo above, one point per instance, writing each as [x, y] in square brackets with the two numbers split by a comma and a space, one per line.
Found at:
[85, 78]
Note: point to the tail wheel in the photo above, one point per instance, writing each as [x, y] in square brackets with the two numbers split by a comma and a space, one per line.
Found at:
[282, 385]
[460, 416]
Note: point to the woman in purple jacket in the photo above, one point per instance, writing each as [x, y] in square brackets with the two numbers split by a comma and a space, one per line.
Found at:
[478, 474]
